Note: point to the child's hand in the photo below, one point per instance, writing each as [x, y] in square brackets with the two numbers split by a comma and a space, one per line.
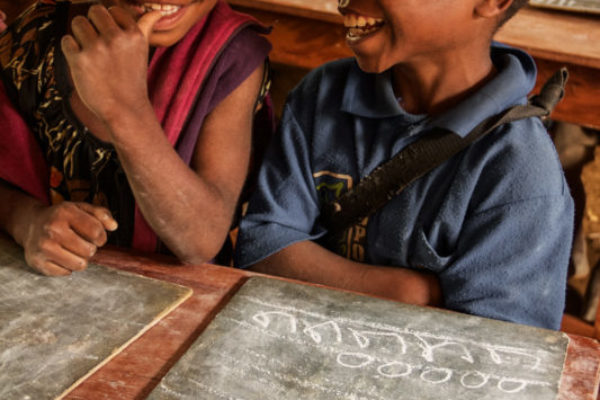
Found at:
[62, 238]
[108, 59]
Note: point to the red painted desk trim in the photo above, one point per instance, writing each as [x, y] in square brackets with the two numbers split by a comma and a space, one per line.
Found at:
[135, 372]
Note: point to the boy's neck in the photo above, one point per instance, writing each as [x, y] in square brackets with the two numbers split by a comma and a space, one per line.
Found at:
[433, 86]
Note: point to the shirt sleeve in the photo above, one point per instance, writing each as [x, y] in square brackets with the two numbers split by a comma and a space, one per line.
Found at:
[511, 262]
[246, 51]
[284, 208]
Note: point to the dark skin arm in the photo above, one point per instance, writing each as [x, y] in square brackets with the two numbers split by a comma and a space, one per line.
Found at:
[189, 208]
[308, 261]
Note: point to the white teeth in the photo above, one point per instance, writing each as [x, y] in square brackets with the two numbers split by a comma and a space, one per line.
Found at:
[165, 9]
[359, 26]
[350, 20]
[356, 33]
[359, 21]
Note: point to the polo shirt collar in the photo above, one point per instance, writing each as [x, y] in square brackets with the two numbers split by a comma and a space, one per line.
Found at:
[372, 95]
[515, 79]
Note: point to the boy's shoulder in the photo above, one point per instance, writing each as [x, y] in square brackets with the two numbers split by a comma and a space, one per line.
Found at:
[319, 92]
[326, 77]
[514, 78]
[515, 162]
[335, 67]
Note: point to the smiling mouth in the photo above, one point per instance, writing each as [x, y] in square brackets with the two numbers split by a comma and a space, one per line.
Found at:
[359, 26]
[165, 9]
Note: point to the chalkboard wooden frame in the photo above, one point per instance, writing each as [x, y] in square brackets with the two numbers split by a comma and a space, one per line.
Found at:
[581, 6]
[57, 331]
[281, 340]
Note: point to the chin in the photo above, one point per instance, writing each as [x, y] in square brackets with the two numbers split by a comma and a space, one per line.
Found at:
[371, 66]
[371, 59]
[162, 40]
[167, 38]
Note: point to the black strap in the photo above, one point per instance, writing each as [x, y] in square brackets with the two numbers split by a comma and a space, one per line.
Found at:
[420, 157]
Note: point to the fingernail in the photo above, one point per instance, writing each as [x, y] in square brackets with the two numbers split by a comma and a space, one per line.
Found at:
[109, 222]
[112, 225]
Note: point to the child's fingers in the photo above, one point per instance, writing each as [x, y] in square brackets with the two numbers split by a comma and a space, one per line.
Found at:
[77, 245]
[102, 214]
[66, 259]
[103, 20]
[122, 18]
[69, 46]
[90, 229]
[83, 31]
[147, 21]
[90, 222]
[46, 264]
[50, 268]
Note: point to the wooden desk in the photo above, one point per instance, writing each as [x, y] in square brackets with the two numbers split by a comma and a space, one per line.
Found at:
[307, 33]
[135, 372]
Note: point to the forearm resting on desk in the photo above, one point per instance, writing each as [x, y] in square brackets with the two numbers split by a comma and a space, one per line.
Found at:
[190, 208]
[308, 261]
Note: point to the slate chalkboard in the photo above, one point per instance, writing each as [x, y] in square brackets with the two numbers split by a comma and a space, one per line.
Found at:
[56, 331]
[585, 6]
[279, 340]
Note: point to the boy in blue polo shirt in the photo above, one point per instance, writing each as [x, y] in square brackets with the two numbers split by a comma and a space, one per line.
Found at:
[487, 232]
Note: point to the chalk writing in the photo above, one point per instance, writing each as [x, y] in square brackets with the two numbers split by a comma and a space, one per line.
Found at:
[277, 340]
[362, 338]
[354, 360]
[313, 331]
[264, 319]
[401, 339]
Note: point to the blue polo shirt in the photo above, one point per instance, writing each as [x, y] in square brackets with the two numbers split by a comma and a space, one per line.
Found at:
[494, 223]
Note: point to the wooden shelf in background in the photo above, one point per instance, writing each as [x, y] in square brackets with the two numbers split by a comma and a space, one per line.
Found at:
[308, 33]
